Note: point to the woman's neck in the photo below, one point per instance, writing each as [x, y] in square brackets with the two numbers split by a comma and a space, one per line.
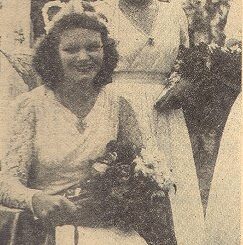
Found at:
[78, 99]
[142, 18]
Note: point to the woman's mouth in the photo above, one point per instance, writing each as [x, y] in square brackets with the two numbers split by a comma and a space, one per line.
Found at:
[85, 68]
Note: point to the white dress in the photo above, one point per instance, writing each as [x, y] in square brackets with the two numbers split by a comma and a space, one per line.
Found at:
[144, 62]
[223, 211]
[48, 151]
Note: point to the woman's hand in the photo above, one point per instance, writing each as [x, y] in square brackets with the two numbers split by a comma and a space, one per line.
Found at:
[54, 208]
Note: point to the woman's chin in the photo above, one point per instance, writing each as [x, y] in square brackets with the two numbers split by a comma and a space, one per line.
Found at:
[83, 78]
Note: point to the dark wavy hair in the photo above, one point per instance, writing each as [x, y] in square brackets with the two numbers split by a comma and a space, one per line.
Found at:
[46, 60]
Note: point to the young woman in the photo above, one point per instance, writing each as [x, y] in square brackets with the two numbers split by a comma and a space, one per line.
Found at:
[62, 125]
[148, 34]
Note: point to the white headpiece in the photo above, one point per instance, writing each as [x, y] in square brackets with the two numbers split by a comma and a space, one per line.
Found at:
[66, 8]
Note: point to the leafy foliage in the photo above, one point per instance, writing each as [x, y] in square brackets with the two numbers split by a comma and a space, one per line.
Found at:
[207, 20]
[121, 194]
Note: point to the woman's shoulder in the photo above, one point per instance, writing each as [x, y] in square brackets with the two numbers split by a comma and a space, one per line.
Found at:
[111, 91]
[28, 100]
[118, 89]
[115, 92]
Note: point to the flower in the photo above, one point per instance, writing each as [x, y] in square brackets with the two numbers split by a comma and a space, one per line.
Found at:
[149, 165]
[224, 49]
[123, 178]
[142, 167]
[100, 167]
[202, 67]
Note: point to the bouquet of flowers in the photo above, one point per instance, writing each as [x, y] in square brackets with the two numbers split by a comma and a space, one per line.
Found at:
[123, 186]
[226, 63]
[198, 70]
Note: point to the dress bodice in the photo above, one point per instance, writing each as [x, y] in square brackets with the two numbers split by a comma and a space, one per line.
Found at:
[62, 151]
[142, 52]
[51, 150]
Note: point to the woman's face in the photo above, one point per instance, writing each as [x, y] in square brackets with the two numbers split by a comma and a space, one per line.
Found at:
[81, 54]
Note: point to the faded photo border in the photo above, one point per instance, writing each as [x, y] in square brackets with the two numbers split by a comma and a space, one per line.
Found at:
[22, 28]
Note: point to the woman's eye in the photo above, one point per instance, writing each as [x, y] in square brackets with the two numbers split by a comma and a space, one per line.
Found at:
[94, 48]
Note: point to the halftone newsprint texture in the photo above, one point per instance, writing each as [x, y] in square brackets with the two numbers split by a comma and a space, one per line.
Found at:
[120, 122]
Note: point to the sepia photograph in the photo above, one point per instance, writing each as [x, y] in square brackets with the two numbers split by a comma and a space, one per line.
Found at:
[120, 122]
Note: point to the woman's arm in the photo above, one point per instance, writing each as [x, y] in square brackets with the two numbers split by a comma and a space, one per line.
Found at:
[16, 169]
[16, 165]
[128, 130]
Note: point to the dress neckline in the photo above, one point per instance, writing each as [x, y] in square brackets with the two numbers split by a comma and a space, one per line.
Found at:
[81, 124]
[136, 27]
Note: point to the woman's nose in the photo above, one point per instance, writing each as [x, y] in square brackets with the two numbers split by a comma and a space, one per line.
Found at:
[83, 55]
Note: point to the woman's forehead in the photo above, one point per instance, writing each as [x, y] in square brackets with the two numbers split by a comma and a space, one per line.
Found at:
[79, 35]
